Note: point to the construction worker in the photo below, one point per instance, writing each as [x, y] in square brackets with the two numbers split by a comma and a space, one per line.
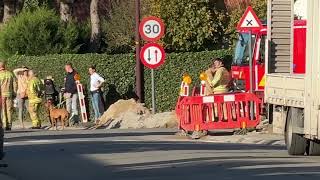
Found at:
[34, 92]
[22, 77]
[8, 91]
[218, 81]
[221, 77]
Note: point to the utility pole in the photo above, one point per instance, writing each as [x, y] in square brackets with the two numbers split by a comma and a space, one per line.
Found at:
[139, 66]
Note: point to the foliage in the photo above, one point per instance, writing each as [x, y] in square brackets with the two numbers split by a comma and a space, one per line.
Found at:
[119, 72]
[191, 25]
[34, 4]
[38, 32]
[119, 29]
[259, 6]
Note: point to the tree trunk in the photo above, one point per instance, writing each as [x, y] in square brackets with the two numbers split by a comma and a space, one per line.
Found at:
[9, 9]
[95, 39]
[66, 7]
[19, 5]
[1, 10]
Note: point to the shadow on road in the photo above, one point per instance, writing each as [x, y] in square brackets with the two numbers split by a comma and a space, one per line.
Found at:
[154, 160]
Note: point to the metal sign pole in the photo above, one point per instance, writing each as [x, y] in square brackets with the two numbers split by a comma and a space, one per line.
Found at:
[250, 61]
[251, 72]
[153, 92]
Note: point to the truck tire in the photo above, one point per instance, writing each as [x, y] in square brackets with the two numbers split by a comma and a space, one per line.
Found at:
[314, 148]
[296, 143]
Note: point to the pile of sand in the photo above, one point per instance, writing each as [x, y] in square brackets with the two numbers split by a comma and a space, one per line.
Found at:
[128, 114]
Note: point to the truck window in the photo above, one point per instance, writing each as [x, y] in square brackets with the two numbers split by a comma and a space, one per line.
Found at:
[241, 56]
[262, 52]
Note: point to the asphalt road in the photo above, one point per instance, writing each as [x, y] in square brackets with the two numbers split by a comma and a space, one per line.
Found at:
[145, 155]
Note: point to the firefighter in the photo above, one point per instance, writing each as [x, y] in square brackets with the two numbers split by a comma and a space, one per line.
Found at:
[8, 90]
[34, 91]
[50, 91]
[218, 81]
[221, 77]
[22, 99]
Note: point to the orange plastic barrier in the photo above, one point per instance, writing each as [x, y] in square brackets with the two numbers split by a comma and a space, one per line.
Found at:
[225, 111]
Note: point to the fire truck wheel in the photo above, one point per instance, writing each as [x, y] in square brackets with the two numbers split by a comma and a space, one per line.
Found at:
[314, 148]
[296, 143]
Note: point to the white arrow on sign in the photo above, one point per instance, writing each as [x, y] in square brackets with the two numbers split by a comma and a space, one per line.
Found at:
[153, 55]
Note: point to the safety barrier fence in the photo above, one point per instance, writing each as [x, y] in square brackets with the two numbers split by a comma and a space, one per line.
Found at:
[225, 111]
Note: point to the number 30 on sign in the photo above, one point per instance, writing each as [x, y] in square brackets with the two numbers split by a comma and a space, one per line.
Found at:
[151, 28]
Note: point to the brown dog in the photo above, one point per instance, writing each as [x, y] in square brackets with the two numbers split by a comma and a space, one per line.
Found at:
[56, 115]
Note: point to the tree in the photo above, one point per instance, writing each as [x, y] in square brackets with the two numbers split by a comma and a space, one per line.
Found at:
[52, 36]
[95, 40]
[66, 7]
[9, 9]
[192, 25]
[259, 6]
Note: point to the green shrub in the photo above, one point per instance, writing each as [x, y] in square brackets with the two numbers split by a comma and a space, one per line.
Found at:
[191, 25]
[38, 32]
[119, 71]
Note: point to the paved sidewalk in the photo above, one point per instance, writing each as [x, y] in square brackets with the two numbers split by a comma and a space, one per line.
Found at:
[250, 138]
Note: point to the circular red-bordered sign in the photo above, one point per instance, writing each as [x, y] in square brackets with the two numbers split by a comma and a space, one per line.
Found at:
[152, 55]
[151, 29]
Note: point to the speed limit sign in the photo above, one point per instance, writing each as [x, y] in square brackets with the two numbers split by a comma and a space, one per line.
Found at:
[151, 28]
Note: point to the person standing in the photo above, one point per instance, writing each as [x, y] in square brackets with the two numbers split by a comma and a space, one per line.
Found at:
[96, 82]
[22, 77]
[221, 77]
[34, 92]
[71, 93]
[8, 90]
[220, 82]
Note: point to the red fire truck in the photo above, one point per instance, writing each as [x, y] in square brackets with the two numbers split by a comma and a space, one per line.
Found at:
[240, 108]
[240, 69]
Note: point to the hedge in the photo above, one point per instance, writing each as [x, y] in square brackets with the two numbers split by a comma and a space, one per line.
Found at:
[119, 72]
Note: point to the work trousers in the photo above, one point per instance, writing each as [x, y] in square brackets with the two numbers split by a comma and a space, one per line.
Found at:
[34, 114]
[6, 112]
[72, 104]
[22, 106]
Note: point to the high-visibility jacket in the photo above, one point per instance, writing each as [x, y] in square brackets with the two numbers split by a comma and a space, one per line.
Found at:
[220, 81]
[34, 90]
[7, 83]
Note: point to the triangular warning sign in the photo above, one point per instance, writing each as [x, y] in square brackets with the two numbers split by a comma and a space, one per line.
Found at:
[249, 21]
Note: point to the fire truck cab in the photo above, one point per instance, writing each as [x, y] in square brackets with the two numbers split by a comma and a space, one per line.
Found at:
[240, 68]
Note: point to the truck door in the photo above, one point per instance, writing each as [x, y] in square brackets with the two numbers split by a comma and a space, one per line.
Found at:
[259, 64]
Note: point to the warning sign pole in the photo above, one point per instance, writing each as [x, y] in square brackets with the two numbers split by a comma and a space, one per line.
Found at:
[250, 61]
[153, 92]
[251, 72]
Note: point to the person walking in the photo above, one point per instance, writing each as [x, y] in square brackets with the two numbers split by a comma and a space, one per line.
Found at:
[22, 77]
[96, 82]
[71, 93]
[8, 90]
[34, 92]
